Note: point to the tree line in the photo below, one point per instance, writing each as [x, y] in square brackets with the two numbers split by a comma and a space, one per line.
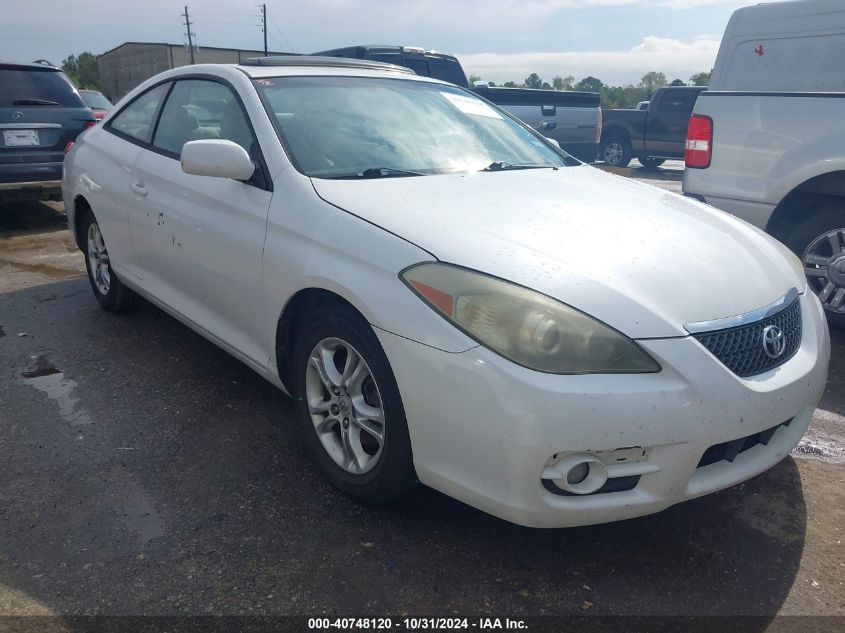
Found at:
[611, 96]
[82, 70]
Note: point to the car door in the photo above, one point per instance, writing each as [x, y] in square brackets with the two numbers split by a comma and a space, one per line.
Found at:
[201, 238]
[667, 122]
[111, 177]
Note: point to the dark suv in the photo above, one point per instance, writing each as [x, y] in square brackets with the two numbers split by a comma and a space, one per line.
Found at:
[40, 113]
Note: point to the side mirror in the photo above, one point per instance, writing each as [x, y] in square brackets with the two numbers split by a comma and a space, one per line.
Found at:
[219, 158]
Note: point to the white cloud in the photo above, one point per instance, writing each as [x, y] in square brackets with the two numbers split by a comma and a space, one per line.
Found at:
[673, 57]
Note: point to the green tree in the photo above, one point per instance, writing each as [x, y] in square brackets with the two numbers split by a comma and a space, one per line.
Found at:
[510, 84]
[533, 81]
[82, 70]
[473, 78]
[677, 82]
[589, 84]
[700, 79]
[563, 83]
[652, 81]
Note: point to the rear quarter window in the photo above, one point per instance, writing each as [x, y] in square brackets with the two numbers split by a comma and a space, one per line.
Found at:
[446, 70]
[25, 87]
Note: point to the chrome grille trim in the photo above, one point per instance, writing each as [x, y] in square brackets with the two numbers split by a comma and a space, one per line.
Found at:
[699, 327]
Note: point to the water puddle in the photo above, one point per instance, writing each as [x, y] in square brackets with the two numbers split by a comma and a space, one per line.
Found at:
[142, 518]
[825, 440]
[51, 380]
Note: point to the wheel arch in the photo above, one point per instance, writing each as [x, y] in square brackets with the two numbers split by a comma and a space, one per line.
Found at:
[805, 200]
[305, 301]
[80, 205]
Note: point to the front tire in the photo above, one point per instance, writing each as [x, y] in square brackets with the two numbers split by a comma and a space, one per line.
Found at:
[650, 163]
[110, 292]
[350, 408]
[819, 242]
[615, 151]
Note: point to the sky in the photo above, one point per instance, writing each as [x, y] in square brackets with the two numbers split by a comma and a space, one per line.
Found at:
[617, 41]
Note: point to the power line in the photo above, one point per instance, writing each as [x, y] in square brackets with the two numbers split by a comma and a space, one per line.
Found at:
[284, 39]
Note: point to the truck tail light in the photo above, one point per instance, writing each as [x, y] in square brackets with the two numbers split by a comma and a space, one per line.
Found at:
[699, 147]
[598, 127]
[69, 146]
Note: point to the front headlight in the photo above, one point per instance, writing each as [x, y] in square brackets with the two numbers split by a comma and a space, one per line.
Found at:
[525, 326]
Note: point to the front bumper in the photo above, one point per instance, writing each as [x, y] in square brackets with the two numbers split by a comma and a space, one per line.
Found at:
[483, 429]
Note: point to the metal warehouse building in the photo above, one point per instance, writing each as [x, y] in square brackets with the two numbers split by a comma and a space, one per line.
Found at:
[125, 66]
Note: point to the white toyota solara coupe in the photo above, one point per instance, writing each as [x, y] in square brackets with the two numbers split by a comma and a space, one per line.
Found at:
[449, 298]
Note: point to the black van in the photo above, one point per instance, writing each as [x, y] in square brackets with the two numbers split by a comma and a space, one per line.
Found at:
[40, 113]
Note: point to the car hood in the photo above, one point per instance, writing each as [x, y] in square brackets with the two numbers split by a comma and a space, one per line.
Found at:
[641, 259]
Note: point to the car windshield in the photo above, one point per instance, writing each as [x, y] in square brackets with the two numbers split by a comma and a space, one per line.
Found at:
[343, 127]
[96, 100]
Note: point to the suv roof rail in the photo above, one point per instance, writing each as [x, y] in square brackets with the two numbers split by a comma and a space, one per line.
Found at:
[325, 62]
[44, 62]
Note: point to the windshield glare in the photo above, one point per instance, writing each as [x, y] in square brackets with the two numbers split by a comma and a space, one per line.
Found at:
[342, 126]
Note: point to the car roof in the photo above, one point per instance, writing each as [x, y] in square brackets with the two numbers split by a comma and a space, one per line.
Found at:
[412, 50]
[318, 61]
[25, 66]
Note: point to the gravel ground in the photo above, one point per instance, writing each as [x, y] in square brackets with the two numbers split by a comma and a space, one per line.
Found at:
[144, 471]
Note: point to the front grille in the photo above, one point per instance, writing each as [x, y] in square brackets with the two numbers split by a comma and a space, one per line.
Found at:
[741, 348]
[728, 451]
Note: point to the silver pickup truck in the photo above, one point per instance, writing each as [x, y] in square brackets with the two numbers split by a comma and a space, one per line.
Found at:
[765, 143]
[573, 119]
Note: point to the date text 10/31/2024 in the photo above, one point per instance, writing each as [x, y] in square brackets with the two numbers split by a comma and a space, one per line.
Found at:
[415, 624]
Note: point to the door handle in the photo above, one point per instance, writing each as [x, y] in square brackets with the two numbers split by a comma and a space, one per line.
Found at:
[138, 188]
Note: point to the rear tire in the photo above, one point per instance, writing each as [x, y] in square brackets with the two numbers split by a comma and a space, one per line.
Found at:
[110, 292]
[650, 163]
[340, 406]
[615, 151]
[819, 242]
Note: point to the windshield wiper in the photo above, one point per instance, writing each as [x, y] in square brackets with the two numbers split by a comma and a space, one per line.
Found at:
[501, 165]
[386, 172]
[35, 102]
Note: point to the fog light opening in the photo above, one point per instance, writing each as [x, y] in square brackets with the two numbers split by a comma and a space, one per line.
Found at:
[584, 474]
[577, 474]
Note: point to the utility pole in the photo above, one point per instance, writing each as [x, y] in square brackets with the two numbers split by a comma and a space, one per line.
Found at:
[188, 24]
[264, 26]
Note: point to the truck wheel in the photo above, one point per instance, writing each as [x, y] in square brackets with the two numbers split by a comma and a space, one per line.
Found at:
[615, 151]
[820, 243]
[650, 163]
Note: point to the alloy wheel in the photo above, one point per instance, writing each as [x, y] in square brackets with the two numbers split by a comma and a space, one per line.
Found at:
[98, 259]
[824, 265]
[345, 405]
[612, 153]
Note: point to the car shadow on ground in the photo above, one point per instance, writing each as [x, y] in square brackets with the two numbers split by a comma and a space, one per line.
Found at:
[153, 473]
[25, 218]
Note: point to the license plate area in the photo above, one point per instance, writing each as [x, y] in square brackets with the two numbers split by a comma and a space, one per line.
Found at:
[21, 138]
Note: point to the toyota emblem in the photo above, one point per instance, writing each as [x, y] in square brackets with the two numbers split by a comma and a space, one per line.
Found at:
[774, 341]
[18, 116]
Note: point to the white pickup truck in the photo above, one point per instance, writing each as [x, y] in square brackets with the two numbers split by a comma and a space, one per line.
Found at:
[767, 141]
